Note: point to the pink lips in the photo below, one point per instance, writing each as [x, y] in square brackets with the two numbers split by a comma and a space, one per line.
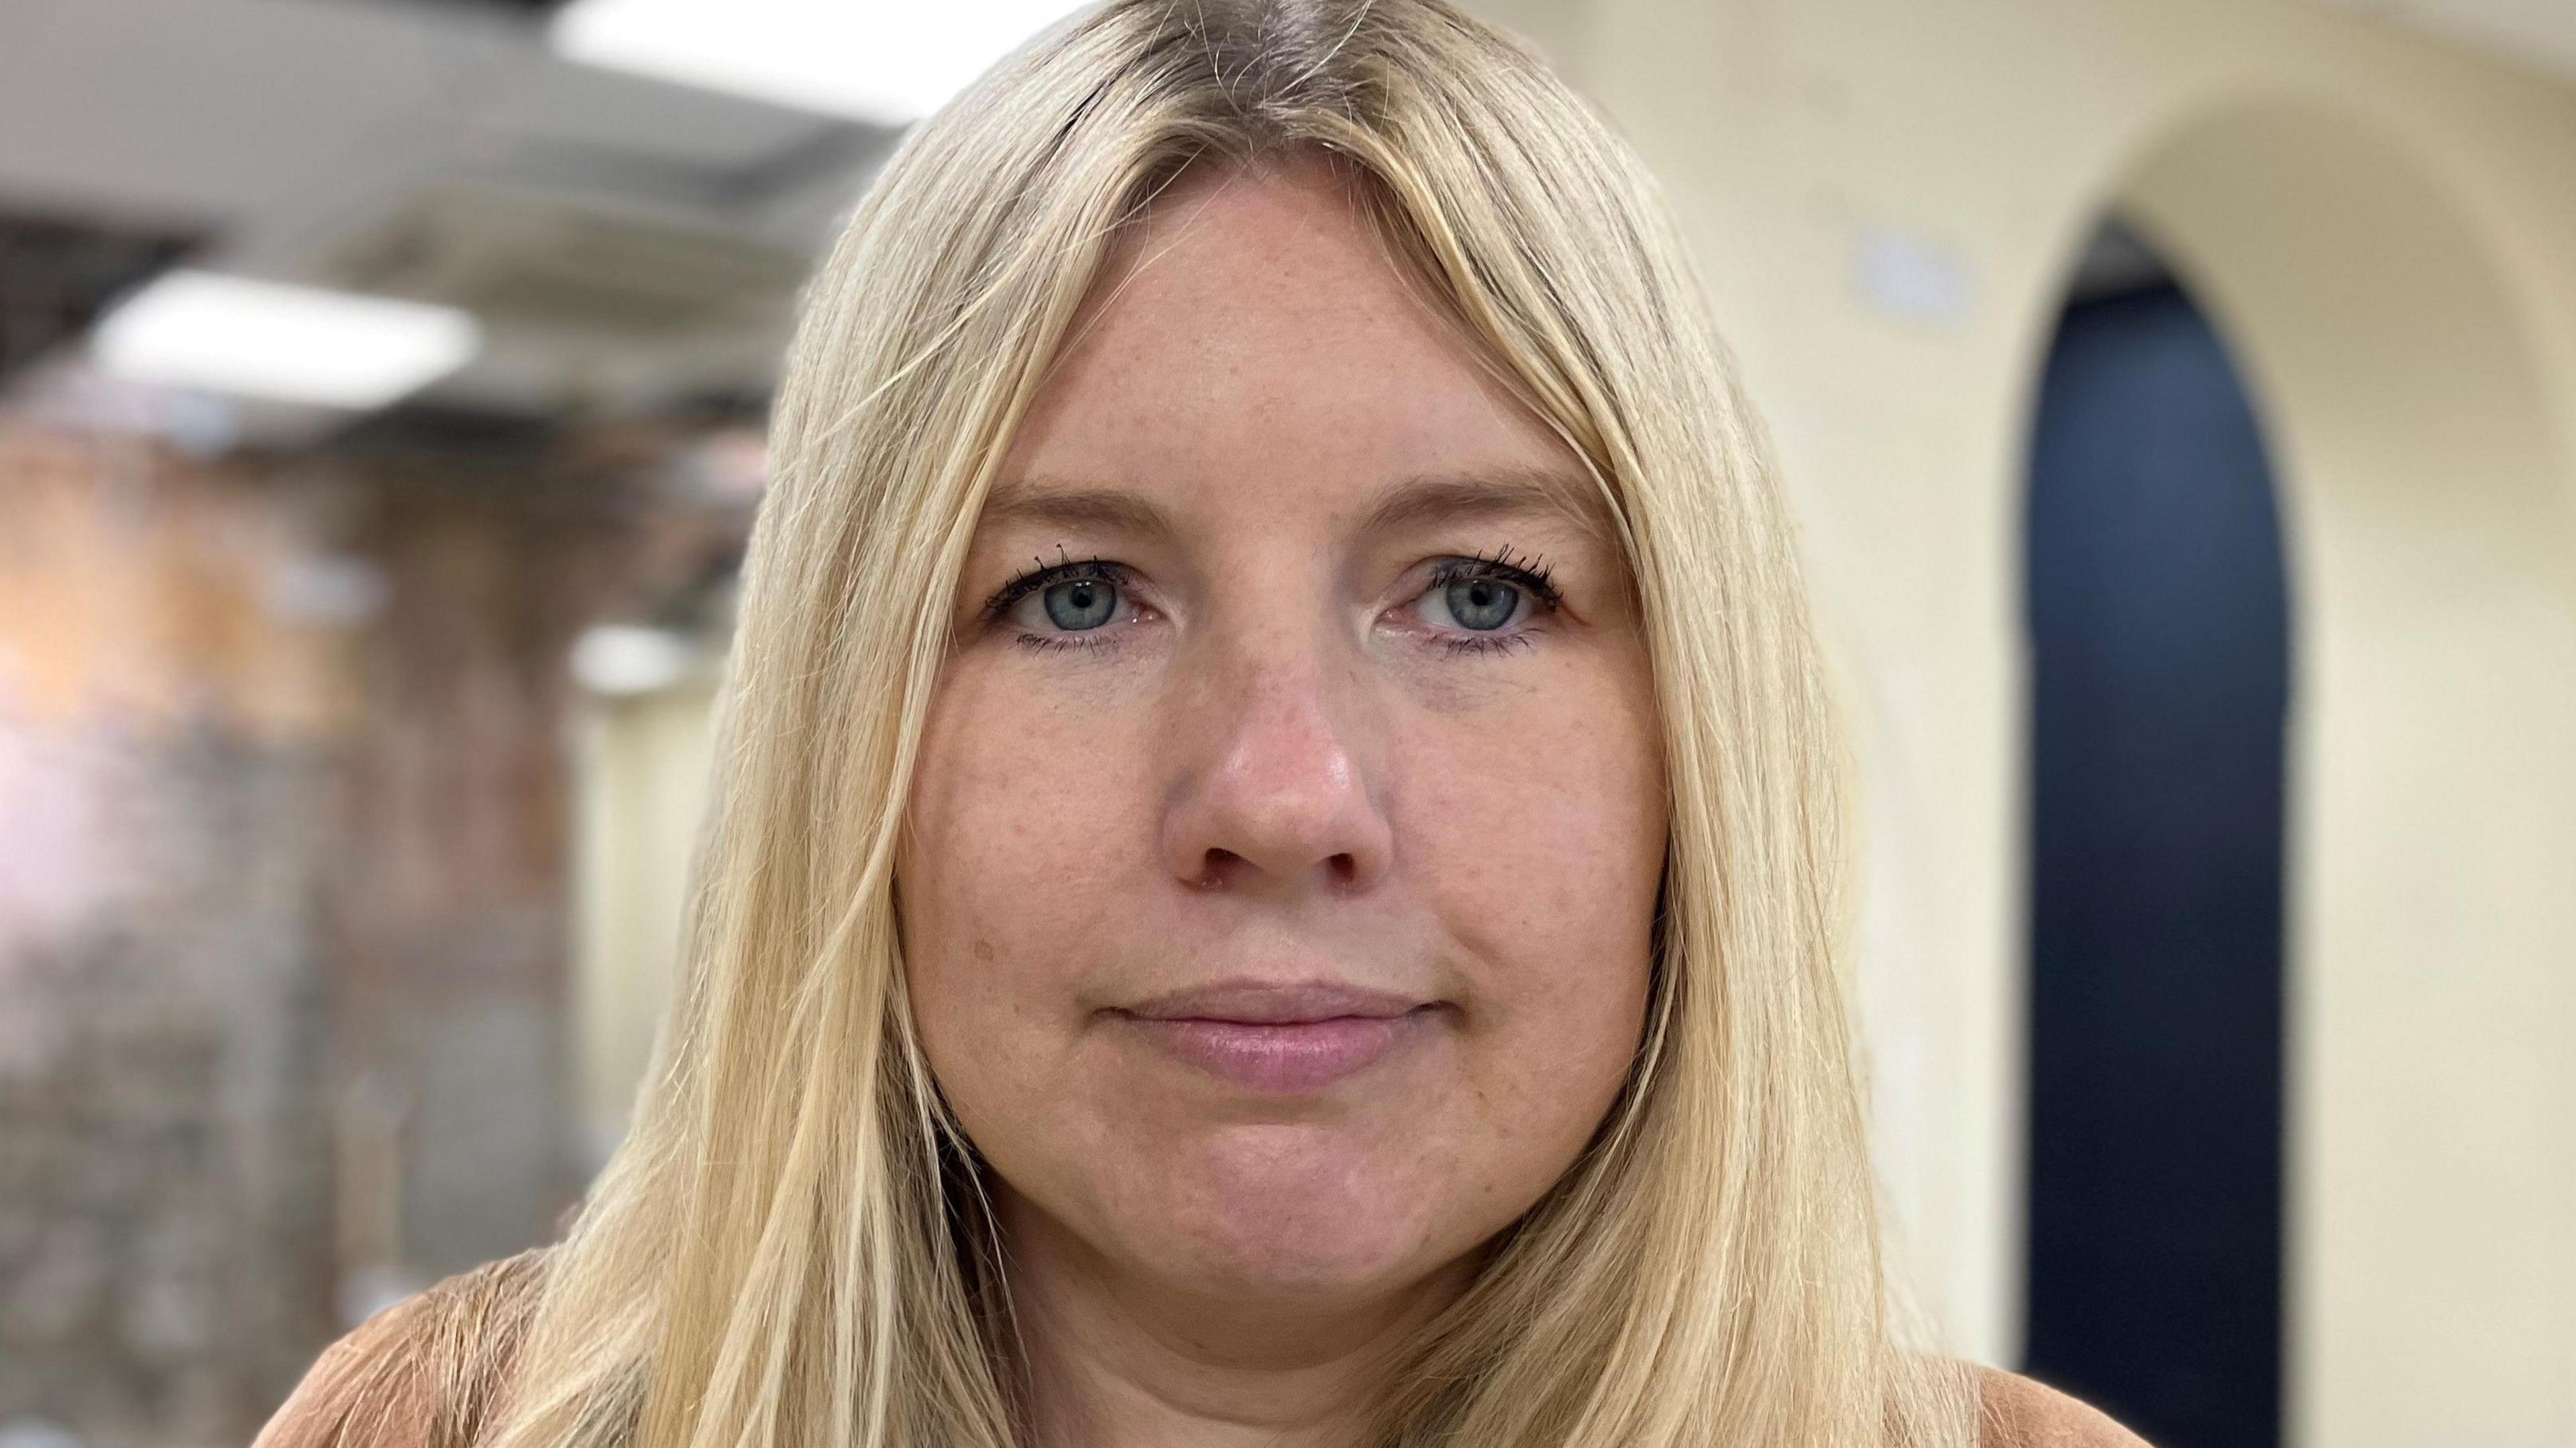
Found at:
[1275, 1038]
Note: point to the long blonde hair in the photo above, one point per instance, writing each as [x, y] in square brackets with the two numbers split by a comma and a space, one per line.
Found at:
[790, 1251]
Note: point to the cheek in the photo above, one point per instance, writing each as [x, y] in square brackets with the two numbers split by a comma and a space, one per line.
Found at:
[1540, 835]
[1546, 825]
[1016, 845]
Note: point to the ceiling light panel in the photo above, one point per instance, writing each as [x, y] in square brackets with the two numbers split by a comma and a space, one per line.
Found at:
[888, 62]
[295, 344]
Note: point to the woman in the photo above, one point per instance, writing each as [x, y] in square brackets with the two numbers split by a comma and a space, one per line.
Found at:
[1272, 881]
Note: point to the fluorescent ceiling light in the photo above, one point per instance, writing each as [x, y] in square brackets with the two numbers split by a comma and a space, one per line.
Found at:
[620, 659]
[296, 344]
[887, 61]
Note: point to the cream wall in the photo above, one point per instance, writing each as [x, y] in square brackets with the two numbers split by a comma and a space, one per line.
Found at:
[641, 765]
[1885, 196]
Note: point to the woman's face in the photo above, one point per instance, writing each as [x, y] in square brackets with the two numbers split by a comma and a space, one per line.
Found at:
[1281, 868]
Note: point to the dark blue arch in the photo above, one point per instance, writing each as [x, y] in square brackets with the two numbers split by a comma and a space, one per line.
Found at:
[2159, 627]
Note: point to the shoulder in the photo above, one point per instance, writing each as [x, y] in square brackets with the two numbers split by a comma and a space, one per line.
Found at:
[420, 1374]
[2014, 1412]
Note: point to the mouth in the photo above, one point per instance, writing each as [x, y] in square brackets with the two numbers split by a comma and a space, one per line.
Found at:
[1279, 1039]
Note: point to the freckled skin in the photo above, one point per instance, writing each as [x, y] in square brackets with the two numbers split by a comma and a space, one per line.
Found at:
[1273, 764]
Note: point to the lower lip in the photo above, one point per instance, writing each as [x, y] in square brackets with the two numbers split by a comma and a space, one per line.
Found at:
[1283, 1057]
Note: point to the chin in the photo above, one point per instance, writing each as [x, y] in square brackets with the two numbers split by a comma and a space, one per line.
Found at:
[1289, 1210]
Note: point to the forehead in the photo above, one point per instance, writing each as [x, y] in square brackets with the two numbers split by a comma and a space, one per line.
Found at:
[1253, 328]
[1287, 242]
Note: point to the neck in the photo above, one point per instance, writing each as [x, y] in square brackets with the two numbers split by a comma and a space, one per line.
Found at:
[1117, 1357]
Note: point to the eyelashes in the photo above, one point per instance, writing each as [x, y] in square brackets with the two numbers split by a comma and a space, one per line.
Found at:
[1042, 574]
[1058, 617]
[1505, 566]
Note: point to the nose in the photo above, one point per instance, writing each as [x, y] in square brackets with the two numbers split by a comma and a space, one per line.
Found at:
[1269, 793]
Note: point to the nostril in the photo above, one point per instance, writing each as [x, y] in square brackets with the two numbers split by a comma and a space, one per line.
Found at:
[1343, 867]
[1216, 865]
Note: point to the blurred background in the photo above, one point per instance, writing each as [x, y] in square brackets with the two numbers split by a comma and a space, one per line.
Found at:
[2179, 397]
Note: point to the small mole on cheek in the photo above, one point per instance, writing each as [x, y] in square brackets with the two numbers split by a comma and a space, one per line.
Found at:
[984, 951]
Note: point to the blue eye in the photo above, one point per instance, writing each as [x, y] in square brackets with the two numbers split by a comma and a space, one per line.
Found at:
[1050, 603]
[1482, 604]
[1078, 604]
[1481, 601]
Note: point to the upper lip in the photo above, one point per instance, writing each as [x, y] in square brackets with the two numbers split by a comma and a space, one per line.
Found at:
[1270, 1003]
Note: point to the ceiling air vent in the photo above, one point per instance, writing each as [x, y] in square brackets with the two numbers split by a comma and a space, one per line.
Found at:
[58, 273]
[581, 303]
[544, 262]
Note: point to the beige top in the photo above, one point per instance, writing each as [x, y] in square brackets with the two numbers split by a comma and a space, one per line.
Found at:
[422, 1374]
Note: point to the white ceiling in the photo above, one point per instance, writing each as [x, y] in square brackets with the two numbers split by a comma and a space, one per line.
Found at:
[291, 131]
[2537, 33]
[317, 139]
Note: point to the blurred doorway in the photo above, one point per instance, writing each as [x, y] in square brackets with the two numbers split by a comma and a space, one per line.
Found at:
[2159, 628]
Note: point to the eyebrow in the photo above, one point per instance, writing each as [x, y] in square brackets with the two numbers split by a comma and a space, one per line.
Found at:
[1437, 498]
[1034, 500]
[1424, 499]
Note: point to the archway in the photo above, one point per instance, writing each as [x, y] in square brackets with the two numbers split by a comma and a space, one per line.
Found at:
[2157, 613]
[2432, 794]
